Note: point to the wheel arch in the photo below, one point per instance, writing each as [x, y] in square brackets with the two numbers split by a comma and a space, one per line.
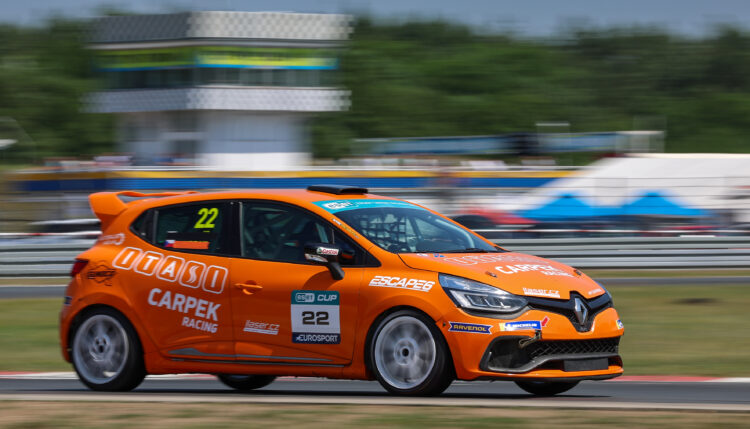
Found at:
[144, 341]
[379, 318]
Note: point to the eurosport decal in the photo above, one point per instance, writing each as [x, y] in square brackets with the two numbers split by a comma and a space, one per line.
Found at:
[402, 283]
[473, 328]
[526, 325]
[315, 317]
[335, 206]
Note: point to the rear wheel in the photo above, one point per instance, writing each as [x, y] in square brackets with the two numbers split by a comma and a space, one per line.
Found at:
[106, 353]
[246, 382]
[409, 355]
[546, 388]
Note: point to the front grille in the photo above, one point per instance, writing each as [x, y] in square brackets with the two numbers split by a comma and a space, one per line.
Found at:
[574, 347]
[567, 308]
[505, 354]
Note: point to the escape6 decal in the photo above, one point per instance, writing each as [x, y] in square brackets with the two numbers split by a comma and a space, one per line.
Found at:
[402, 283]
[315, 317]
[171, 268]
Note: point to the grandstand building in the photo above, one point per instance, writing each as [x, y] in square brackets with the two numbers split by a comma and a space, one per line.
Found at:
[221, 90]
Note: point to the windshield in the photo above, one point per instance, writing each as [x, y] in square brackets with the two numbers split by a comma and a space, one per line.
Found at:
[410, 230]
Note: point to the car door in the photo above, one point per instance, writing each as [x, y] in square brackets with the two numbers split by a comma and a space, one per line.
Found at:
[179, 278]
[286, 308]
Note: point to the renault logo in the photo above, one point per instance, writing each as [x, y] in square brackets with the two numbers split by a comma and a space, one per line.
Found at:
[582, 312]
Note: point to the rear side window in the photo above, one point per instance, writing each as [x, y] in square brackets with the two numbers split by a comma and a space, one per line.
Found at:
[198, 228]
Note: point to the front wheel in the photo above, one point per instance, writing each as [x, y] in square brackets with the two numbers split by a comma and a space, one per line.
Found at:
[246, 382]
[546, 388]
[409, 355]
[106, 353]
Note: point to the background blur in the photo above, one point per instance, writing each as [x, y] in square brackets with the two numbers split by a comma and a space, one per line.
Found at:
[613, 137]
[586, 121]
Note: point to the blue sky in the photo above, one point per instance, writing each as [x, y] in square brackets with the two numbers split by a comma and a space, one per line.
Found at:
[531, 17]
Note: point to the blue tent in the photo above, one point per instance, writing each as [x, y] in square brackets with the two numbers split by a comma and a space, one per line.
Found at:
[655, 204]
[566, 206]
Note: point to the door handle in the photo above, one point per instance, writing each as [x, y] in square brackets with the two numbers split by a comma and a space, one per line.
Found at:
[247, 288]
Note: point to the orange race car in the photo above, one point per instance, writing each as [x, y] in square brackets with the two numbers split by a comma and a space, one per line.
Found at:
[328, 282]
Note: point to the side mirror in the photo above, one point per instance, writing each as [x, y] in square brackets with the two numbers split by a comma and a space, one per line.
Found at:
[325, 254]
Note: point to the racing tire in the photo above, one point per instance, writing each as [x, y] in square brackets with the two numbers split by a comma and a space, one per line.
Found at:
[244, 382]
[409, 356]
[106, 353]
[546, 388]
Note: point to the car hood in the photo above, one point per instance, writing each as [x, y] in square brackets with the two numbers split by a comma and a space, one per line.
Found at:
[516, 273]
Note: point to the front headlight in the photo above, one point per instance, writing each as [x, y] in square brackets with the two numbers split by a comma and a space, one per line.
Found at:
[473, 295]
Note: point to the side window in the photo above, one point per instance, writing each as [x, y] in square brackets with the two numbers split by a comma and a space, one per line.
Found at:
[195, 227]
[279, 233]
[143, 226]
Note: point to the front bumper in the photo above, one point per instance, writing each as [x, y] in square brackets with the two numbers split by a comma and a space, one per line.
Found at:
[557, 351]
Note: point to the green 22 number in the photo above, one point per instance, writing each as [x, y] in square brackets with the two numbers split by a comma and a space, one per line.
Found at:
[208, 216]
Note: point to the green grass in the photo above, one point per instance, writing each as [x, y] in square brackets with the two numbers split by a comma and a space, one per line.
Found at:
[696, 330]
[28, 335]
[686, 330]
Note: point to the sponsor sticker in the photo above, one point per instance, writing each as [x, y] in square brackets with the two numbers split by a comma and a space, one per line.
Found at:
[191, 245]
[473, 328]
[261, 327]
[595, 291]
[547, 270]
[620, 325]
[315, 317]
[402, 283]
[548, 293]
[201, 314]
[114, 239]
[327, 251]
[101, 273]
[526, 325]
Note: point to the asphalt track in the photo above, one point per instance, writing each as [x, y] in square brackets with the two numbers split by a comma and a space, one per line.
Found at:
[685, 395]
[11, 291]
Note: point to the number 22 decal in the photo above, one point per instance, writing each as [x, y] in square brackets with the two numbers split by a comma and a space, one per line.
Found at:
[207, 217]
[314, 318]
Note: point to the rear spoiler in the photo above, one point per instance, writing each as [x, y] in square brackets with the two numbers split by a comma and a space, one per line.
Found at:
[108, 205]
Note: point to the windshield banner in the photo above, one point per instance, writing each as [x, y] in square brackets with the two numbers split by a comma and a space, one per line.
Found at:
[335, 206]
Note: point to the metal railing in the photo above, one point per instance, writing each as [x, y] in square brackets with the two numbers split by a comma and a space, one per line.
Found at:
[26, 258]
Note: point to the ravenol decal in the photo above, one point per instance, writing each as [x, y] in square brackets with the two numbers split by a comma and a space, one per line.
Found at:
[470, 327]
[526, 325]
[315, 317]
[334, 206]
